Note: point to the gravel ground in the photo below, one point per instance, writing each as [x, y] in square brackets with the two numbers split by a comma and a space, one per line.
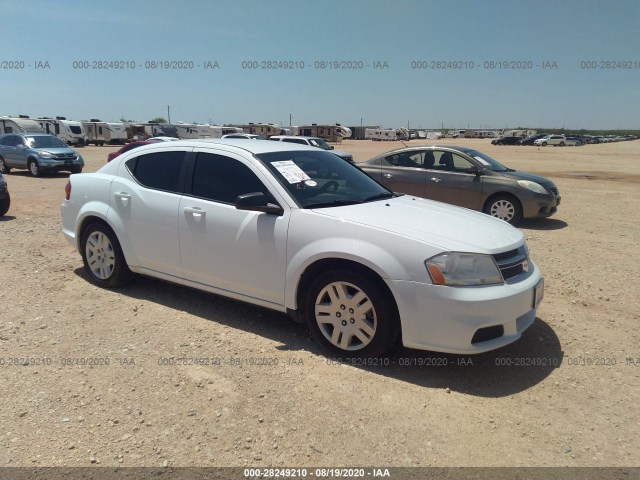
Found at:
[159, 375]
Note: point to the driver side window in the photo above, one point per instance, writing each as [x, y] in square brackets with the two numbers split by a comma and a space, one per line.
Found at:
[451, 162]
[222, 179]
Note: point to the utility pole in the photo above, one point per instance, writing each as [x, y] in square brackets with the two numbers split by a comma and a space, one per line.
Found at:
[168, 113]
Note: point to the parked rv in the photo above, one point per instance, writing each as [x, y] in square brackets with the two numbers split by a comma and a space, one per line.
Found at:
[381, 134]
[68, 131]
[100, 133]
[19, 125]
[192, 130]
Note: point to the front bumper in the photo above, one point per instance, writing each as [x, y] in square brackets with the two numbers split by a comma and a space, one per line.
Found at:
[540, 206]
[54, 164]
[465, 320]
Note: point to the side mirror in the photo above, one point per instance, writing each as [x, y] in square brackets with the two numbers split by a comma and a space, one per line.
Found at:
[475, 169]
[257, 202]
[330, 147]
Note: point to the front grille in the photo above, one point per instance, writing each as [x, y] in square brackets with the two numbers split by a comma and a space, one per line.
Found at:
[65, 156]
[513, 265]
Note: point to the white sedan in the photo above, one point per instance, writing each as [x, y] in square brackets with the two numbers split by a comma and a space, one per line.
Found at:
[299, 230]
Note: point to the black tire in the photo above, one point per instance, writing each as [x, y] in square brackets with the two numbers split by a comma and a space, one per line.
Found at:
[504, 207]
[105, 263]
[378, 322]
[34, 168]
[562, 144]
[544, 144]
[76, 169]
[4, 169]
[5, 203]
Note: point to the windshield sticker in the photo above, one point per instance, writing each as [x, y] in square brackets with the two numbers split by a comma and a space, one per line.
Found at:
[311, 183]
[292, 172]
[482, 161]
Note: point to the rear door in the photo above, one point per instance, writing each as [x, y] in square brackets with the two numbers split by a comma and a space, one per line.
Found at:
[145, 197]
[404, 172]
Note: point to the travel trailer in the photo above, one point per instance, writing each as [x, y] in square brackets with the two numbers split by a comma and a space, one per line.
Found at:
[100, 133]
[380, 134]
[330, 133]
[192, 130]
[68, 131]
[265, 130]
[20, 124]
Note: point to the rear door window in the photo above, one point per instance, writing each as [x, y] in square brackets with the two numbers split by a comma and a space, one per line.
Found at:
[159, 170]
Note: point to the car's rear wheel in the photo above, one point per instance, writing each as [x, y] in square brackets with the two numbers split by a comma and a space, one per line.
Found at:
[562, 144]
[350, 314]
[4, 169]
[102, 256]
[504, 207]
[34, 168]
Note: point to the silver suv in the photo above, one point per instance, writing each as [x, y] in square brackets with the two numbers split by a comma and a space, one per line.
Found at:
[37, 152]
[314, 142]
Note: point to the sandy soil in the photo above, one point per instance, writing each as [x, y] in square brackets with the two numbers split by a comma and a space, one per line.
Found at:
[114, 377]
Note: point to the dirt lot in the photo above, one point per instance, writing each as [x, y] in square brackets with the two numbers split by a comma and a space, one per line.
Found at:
[566, 394]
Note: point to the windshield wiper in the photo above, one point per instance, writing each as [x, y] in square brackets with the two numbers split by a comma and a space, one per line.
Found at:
[382, 196]
[333, 203]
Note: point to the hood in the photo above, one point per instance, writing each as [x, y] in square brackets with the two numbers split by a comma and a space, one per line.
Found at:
[446, 226]
[527, 176]
[56, 150]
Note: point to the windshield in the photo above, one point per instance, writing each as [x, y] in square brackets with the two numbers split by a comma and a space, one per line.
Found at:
[45, 142]
[490, 163]
[320, 143]
[322, 179]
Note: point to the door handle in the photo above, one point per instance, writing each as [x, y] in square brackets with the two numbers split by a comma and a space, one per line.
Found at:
[436, 179]
[195, 211]
[123, 195]
[387, 175]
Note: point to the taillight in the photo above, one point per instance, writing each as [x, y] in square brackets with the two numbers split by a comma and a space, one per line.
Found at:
[67, 190]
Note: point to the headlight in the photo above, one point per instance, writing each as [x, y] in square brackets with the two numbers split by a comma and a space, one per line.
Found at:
[45, 154]
[533, 186]
[463, 270]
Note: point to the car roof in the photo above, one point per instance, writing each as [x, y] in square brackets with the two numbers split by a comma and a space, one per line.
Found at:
[251, 147]
[426, 147]
[296, 136]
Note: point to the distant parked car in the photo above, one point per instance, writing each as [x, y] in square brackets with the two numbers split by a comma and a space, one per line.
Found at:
[39, 153]
[465, 177]
[250, 136]
[126, 148]
[314, 142]
[162, 139]
[532, 138]
[506, 141]
[5, 198]
[576, 139]
[555, 140]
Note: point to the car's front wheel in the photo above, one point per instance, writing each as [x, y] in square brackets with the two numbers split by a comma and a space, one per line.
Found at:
[76, 169]
[504, 207]
[5, 203]
[102, 256]
[350, 314]
[34, 168]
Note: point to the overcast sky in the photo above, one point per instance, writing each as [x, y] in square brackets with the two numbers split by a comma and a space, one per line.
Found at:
[457, 64]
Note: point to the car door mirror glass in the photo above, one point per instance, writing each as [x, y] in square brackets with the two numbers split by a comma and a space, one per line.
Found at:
[257, 202]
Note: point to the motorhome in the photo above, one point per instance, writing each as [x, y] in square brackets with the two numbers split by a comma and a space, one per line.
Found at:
[99, 132]
[68, 131]
[20, 124]
[217, 131]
